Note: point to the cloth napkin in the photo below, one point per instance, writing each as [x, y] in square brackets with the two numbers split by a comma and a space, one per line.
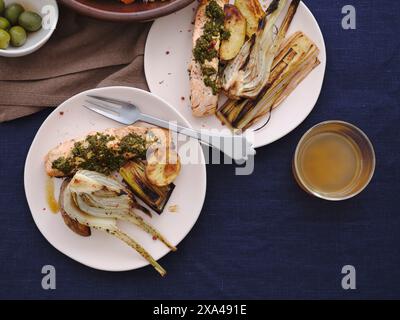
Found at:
[82, 54]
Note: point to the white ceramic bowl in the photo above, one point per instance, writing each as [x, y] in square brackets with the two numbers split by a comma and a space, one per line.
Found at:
[48, 9]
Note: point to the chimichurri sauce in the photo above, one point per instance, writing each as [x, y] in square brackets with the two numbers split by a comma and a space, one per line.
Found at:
[204, 49]
[95, 154]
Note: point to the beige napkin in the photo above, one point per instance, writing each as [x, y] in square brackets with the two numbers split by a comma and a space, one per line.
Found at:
[83, 53]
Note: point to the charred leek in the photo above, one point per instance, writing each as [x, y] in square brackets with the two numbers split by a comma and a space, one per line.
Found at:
[155, 197]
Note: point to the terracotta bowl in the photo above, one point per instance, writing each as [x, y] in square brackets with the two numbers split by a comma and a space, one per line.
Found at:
[114, 10]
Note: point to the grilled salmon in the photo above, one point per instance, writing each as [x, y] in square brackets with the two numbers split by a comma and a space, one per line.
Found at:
[97, 150]
[203, 98]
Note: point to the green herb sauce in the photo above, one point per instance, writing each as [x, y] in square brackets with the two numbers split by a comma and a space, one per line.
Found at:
[204, 49]
[215, 12]
[212, 84]
[208, 71]
[95, 154]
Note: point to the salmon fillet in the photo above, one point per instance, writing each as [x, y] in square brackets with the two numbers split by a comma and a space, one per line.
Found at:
[203, 101]
[64, 150]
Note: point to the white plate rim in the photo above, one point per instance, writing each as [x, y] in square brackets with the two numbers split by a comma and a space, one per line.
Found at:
[323, 65]
[30, 155]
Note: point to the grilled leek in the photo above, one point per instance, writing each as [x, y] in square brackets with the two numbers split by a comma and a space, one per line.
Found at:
[297, 58]
[155, 197]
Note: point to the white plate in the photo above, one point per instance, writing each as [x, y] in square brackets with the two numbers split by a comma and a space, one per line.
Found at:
[102, 251]
[168, 53]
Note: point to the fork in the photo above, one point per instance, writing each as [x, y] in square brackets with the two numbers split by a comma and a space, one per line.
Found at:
[234, 146]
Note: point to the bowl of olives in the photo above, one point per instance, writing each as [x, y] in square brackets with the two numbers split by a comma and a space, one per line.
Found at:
[26, 25]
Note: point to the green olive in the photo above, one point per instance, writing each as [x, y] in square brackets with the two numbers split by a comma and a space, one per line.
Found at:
[2, 5]
[4, 23]
[18, 36]
[12, 12]
[30, 21]
[4, 39]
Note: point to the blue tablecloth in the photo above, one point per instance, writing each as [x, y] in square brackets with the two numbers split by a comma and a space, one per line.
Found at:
[258, 236]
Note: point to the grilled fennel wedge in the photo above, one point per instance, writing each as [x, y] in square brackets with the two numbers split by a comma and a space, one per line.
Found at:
[296, 59]
[80, 229]
[247, 74]
[98, 201]
[134, 174]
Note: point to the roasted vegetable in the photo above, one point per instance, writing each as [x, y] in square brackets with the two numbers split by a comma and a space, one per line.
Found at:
[248, 73]
[74, 225]
[163, 167]
[235, 24]
[155, 197]
[98, 201]
[248, 78]
[253, 12]
[163, 163]
[108, 225]
[297, 58]
[161, 139]
[102, 196]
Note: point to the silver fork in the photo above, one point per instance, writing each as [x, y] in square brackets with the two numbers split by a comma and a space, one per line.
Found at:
[236, 147]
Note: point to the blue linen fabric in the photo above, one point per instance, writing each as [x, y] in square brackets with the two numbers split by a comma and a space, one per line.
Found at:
[258, 236]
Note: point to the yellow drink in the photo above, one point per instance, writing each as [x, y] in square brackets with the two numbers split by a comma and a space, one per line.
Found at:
[334, 161]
